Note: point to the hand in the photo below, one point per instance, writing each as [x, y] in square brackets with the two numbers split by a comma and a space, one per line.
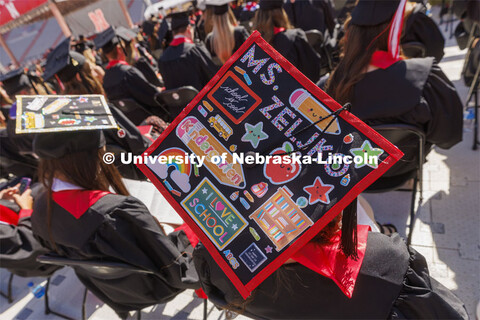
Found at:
[25, 200]
[7, 194]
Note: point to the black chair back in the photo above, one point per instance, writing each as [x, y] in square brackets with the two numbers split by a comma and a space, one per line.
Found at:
[175, 100]
[132, 110]
[414, 49]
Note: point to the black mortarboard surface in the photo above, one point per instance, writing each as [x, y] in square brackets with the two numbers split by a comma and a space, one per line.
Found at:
[219, 6]
[270, 4]
[125, 34]
[59, 113]
[179, 19]
[15, 81]
[58, 144]
[63, 62]
[106, 40]
[253, 218]
[148, 27]
[373, 12]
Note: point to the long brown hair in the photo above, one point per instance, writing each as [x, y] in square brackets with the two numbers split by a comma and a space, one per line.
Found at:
[223, 40]
[359, 44]
[85, 169]
[88, 85]
[266, 20]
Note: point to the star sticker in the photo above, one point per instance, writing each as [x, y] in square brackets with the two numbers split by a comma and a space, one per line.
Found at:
[234, 226]
[82, 100]
[367, 154]
[318, 191]
[204, 190]
[254, 134]
[268, 249]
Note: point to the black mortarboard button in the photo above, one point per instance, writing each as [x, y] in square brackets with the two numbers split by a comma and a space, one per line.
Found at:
[270, 4]
[219, 6]
[179, 19]
[53, 145]
[106, 40]
[374, 12]
[63, 62]
[15, 81]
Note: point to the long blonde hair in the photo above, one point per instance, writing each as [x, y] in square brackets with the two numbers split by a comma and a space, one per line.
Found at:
[223, 40]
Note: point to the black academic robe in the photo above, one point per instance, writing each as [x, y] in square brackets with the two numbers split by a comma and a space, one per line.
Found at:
[421, 28]
[310, 14]
[148, 71]
[186, 64]
[393, 282]
[415, 92]
[19, 249]
[117, 228]
[126, 82]
[240, 35]
[293, 45]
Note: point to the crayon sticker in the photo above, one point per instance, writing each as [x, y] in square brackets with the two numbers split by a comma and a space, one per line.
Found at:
[244, 203]
[248, 195]
[281, 219]
[214, 214]
[253, 257]
[202, 111]
[254, 233]
[231, 259]
[207, 105]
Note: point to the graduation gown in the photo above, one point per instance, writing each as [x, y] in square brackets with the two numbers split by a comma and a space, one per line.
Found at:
[97, 225]
[393, 282]
[311, 14]
[122, 81]
[240, 35]
[18, 248]
[421, 28]
[186, 64]
[293, 45]
[415, 92]
[148, 71]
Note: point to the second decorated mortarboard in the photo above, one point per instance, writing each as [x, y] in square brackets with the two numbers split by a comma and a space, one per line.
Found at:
[179, 19]
[373, 12]
[219, 6]
[271, 4]
[54, 145]
[63, 62]
[15, 81]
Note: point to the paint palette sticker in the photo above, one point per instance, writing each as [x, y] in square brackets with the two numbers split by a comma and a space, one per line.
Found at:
[214, 214]
[253, 257]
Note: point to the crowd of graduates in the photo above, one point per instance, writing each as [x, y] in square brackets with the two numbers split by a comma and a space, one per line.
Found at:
[79, 207]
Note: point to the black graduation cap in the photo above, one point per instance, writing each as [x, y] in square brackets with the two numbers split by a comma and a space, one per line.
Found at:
[106, 40]
[15, 81]
[373, 12]
[63, 62]
[270, 4]
[179, 19]
[219, 6]
[125, 34]
[148, 26]
[52, 145]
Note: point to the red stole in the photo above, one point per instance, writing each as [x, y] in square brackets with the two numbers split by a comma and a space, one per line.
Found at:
[278, 30]
[178, 41]
[76, 202]
[383, 59]
[113, 63]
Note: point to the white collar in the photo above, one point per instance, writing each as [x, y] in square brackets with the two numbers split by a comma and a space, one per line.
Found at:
[60, 185]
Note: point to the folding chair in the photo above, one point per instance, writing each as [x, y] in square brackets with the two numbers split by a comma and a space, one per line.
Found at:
[175, 100]
[411, 141]
[8, 295]
[414, 49]
[98, 269]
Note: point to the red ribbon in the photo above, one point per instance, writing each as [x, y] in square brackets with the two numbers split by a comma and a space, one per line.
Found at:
[113, 63]
[178, 41]
[278, 30]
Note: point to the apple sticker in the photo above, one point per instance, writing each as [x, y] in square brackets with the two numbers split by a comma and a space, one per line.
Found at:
[280, 173]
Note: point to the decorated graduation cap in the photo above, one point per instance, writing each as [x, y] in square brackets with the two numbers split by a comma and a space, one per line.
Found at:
[53, 145]
[219, 6]
[62, 113]
[374, 12]
[270, 4]
[179, 19]
[252, 212]
[63, 62]
[15, 81]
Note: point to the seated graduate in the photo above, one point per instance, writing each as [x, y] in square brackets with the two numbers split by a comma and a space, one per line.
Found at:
[345, 272]
[226, 37]
[185, 63]
[384, 88]
[123, 81]
[422, 29]
[78, 217]
[311, 15]
[18, 248]
[272, 22]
